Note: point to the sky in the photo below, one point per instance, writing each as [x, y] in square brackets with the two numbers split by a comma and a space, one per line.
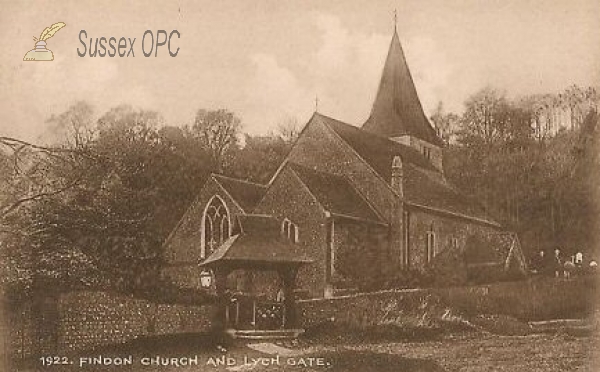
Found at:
[268, 60]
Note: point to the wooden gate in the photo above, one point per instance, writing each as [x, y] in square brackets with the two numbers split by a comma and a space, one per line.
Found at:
[246, 312]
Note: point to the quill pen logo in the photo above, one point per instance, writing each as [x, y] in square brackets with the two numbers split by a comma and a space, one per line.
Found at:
[40, 53]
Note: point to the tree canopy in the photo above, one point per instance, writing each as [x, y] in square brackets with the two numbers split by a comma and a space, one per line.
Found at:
[93, 204]
[525, 179]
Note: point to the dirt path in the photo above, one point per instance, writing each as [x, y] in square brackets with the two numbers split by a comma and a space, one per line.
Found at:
[474, 353]
[547, 353]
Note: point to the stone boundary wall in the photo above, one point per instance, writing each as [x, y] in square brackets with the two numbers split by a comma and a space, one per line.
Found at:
[90, 319]
[360, 310]
[29, 326]
[21, 338]
[83, 320]
[532, 299]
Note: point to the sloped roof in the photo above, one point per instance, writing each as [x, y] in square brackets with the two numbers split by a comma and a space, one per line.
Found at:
[423, 188]
[259, 223]
[423, 184]
[397, 110]
[259, 242]
[246, 194]
[335, 194]
[377, 151]
[489, 248]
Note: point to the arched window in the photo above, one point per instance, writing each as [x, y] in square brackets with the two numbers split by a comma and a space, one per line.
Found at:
[216, 224]
[285, 227]
[427, 152]
[430, 244]
[224, 227]
[293, 234]
[289, 230]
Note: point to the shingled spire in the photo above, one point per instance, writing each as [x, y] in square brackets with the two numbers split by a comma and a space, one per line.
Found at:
[397, 110]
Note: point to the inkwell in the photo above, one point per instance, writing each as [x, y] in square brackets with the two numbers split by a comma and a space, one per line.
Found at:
[40, 53]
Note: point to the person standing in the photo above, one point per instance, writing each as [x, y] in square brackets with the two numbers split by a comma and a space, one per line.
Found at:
[539, 263]
[557, 263]
[579, 259]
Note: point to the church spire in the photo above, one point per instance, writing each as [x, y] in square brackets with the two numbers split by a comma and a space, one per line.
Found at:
[397, 110]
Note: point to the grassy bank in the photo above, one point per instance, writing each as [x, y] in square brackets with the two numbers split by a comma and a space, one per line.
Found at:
[538, 298]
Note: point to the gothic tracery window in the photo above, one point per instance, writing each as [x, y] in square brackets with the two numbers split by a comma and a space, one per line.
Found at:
[216, 225]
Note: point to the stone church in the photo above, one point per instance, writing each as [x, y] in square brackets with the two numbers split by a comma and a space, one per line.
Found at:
[349, 204]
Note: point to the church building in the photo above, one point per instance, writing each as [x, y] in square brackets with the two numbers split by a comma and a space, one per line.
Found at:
[349, 205]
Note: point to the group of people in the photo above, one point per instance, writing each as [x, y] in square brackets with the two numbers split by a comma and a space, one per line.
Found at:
[560, 267]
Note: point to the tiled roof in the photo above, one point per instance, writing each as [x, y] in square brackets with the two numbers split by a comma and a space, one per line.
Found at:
[376, 150]
[259, 242]
[421, 187]
[397, 110]
[259, 223]
[423, 184]
[489, 248]
[335, 194]
[246, 194]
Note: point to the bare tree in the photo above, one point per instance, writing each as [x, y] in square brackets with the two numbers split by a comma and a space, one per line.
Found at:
[217, 131]
[484, 116]
[445, 123]
[27, 170]
[574, 99]
[288, 130]
[73, 128]
[31, 170]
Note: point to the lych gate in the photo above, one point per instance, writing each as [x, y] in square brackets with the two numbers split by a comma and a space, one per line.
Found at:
[259, 246]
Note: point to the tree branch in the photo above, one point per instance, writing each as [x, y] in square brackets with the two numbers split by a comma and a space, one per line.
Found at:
[14, 205]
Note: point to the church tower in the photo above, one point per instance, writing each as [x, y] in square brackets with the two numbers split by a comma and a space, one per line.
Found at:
[397, 112]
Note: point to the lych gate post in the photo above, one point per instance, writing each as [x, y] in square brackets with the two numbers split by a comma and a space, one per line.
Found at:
[220, 287]
[288, 277]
